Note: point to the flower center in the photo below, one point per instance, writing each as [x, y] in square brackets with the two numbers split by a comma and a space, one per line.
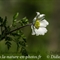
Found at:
[37, 24]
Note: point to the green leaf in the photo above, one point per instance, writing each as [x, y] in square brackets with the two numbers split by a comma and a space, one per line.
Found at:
[1, 20]
[17, 46]
[15, 34]
[8, 44]
[24, 38]
[15, 17]
[24, 51]
[22, 43]
[8, 38]
[24, 21]
[7, 29]
[5, 21]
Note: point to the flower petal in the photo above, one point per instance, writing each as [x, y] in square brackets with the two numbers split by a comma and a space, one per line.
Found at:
[40, 31]
[41, 16]
[43, 23]
[38, 13]
[33, 32]
[34, 20]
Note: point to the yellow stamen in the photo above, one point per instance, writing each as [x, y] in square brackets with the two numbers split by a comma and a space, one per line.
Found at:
[37, 24]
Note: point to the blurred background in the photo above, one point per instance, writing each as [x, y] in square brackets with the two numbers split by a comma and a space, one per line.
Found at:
[42, 45]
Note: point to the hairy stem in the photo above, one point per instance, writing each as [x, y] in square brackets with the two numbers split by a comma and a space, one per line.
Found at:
[14, 30]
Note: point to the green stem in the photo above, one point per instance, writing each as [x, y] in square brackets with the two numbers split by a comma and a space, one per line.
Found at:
[14, 30]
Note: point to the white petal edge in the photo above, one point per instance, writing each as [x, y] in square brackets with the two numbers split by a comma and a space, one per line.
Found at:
[44, 23]
[38, 13]
[33, 32]
[40, 16]
[34, 20]
[40, 31]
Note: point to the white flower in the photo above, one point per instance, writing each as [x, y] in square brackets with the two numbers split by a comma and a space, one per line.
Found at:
[39, 25]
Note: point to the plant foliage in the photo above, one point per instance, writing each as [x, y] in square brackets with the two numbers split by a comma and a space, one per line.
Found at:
[17, 35]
